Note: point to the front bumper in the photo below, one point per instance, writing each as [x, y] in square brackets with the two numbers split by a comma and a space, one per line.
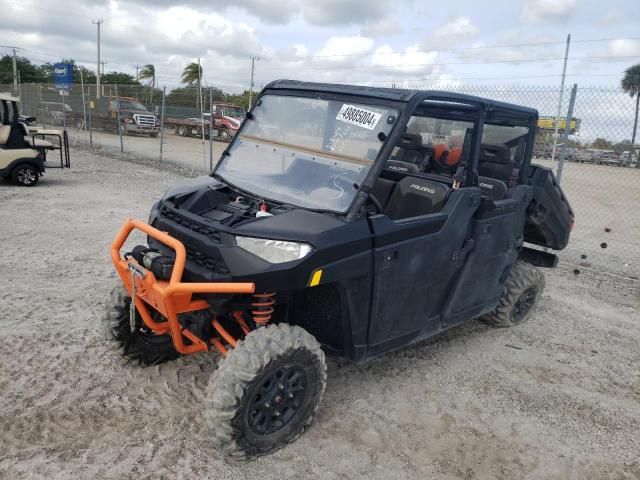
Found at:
[133, 128]
[168, 297]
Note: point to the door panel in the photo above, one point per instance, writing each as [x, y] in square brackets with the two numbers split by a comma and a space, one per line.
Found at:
[415, 261]
[497, 237]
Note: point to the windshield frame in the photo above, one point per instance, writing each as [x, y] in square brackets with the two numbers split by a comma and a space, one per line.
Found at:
[383, 152]
[132, 105]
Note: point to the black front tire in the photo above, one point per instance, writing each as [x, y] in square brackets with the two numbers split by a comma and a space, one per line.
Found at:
[141, 345]
[522, 291]
[224, 135]
[25, 175]
[265, 392]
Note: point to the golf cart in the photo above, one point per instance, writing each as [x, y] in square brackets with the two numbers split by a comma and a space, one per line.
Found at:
[343, 219]
[23, 149]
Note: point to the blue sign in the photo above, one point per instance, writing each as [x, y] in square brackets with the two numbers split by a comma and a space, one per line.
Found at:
[63, 74]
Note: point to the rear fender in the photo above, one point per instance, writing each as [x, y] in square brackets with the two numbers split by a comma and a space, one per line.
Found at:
[5, 171]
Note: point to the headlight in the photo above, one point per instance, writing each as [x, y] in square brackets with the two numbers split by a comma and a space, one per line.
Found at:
[274, 251]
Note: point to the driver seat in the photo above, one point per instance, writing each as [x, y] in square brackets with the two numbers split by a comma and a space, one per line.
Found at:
[414, 196]
[410, 149]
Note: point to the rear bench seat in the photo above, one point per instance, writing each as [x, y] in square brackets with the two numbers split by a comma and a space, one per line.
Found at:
[5, 131]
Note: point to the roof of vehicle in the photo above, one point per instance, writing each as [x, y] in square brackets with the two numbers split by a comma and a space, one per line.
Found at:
[398, 94]
[8, 97]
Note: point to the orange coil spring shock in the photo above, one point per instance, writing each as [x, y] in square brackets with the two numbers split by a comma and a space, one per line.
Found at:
[263, 307]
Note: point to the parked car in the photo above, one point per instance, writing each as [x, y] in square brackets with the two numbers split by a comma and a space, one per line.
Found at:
[627, 159]
[589, 155]
[611, 158]
[53, 113]
[133, 115]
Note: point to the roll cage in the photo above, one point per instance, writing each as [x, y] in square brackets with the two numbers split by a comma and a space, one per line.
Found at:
[408, 103]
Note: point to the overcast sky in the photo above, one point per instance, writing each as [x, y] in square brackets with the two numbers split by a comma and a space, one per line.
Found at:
[360, 41]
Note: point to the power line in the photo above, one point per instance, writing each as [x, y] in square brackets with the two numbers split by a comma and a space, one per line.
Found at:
[475, 47]
[435, 64]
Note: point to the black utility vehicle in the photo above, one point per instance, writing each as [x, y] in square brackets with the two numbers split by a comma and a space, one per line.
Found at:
[354, 218]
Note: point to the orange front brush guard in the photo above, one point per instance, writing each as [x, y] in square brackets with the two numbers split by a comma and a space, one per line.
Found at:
[171, 297]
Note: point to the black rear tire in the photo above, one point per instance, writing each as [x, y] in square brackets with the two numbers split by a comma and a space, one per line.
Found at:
[522, 291]
[142, 346]
[266, 391]
[25, 175]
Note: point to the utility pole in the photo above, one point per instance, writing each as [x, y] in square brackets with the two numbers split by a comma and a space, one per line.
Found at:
[564, 74]
[253, 65]
[15, 72]
[98, 23]
[137, 70]
[565, 135]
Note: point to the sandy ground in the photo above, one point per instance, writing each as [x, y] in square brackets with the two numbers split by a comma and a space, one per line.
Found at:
[556, 398]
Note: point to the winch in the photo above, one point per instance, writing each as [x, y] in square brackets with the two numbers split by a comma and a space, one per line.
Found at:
[158, 263]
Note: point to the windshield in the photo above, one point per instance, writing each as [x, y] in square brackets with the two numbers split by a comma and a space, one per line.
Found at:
[307, 152]
[128, 105]
[233, 112]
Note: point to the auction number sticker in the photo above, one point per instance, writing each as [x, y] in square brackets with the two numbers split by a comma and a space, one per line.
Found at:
[358, 116]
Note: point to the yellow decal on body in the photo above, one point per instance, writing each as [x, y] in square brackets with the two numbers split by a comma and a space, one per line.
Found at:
[315, 279]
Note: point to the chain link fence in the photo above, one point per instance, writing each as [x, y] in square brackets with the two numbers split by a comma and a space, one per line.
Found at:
[190, 127]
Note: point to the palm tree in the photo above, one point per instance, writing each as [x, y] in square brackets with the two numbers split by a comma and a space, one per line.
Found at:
[630, 83]
[148, 73]
[192, 74]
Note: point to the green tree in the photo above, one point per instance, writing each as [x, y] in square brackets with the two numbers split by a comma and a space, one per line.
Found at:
[242, 100]
[88, 76]
[118, 78]
[192, 74]
[630, 83]
[602, 144]
[29, 73]
[148, 73]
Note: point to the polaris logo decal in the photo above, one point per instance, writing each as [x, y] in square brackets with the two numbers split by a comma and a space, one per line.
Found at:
[397, 169]
[486, 185]
[422, 188]
[358, 116]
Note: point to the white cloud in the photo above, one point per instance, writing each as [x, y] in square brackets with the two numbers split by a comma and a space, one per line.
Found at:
[453, 32]
[339, 48]
[346, 12]
[413, 60]
[384, 27]
[612, 18]
[293, 53]
[540, 11]
[510, 52]
[458, 27]
[623, 47]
